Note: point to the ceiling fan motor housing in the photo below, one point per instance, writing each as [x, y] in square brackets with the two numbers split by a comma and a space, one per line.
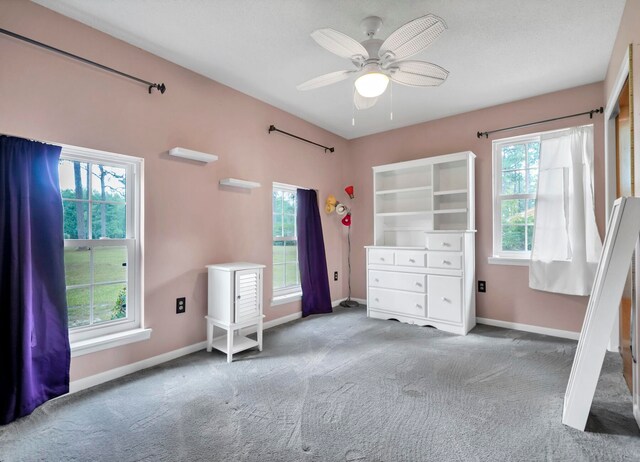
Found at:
[372, 46]
[373, 66]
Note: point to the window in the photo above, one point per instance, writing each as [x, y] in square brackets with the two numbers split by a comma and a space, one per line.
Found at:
[101, 195]
[286, 274]
[515, 174]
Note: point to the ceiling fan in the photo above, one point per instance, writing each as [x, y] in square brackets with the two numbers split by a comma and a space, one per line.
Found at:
[377, 61]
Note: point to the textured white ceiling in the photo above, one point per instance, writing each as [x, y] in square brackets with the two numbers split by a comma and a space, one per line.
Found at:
[495, 50]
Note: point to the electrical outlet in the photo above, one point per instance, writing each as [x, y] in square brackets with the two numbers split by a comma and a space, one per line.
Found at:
[482, 286]
[181, 305]
[335, 275]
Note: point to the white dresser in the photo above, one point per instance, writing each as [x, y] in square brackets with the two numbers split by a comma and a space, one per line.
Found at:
[234, 303]
[421, 269]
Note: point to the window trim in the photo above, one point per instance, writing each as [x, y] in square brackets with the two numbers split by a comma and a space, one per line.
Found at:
[289, 293]
[509, 261]
[94, 338]
[499, 256]
[287, 298]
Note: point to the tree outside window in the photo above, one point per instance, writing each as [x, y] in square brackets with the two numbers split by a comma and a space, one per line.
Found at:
[515, 185]
[98, 248]
[286, 274]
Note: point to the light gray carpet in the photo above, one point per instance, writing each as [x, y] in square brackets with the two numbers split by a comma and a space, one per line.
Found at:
[341, 387]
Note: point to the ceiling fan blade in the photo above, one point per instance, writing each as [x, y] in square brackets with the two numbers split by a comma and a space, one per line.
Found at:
[418, 74]
[412, 38]
[326, 79]
[362, 102]
[339, 43]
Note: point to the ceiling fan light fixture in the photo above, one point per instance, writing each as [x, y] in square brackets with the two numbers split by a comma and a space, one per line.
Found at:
[377, 61]
[372, 84]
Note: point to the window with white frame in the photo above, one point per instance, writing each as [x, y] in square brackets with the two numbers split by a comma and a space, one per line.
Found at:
[286, 274]
[515, 180]
[101, 196]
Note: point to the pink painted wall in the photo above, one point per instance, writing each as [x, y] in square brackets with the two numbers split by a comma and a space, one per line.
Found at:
[508, 297]
[189, 220]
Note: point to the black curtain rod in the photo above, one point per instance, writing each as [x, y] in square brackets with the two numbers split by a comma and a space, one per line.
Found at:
[272, 128]
[160, 87]
[486, 134]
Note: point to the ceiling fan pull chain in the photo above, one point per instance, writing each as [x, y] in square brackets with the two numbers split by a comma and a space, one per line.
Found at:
[353, 108]
[391, 100]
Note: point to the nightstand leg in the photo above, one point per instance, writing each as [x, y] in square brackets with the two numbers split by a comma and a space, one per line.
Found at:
[230, 345]
[209, 335]
[260, 334]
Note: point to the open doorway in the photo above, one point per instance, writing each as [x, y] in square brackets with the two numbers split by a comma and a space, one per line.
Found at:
[625, 186]
[620, 181]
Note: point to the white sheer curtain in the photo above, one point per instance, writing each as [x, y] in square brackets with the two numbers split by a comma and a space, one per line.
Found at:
[566, 243]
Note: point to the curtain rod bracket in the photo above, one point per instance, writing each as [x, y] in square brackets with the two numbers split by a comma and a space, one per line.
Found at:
[159, 86]
[272, 128]
[486, 134]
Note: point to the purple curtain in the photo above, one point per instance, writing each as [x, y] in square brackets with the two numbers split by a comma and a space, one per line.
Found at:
[314, 279]
[34, 341]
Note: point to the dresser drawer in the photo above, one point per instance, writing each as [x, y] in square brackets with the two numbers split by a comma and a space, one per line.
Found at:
[444, 260]
[411, 258]
[381, 257]
[410, 303]
[414, 282]
[445, 298]
[445, 242]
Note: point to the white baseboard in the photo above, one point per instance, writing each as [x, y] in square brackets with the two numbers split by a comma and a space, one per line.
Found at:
[118, 372]
[282, 320]
[529, 328]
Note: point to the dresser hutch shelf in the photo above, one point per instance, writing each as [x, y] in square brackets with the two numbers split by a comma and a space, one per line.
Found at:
[421, 268]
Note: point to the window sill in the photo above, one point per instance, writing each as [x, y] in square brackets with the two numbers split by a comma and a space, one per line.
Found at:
[289, 298]
[104, 342]
[508, 261]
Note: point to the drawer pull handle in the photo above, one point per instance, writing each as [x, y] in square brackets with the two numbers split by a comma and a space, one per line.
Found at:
[446, 244]
[381, 258]
[377, 299]
[418, 306]
[377, 280]
[419, 284]
[411, 260]
[446, 262]
[445, 299]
